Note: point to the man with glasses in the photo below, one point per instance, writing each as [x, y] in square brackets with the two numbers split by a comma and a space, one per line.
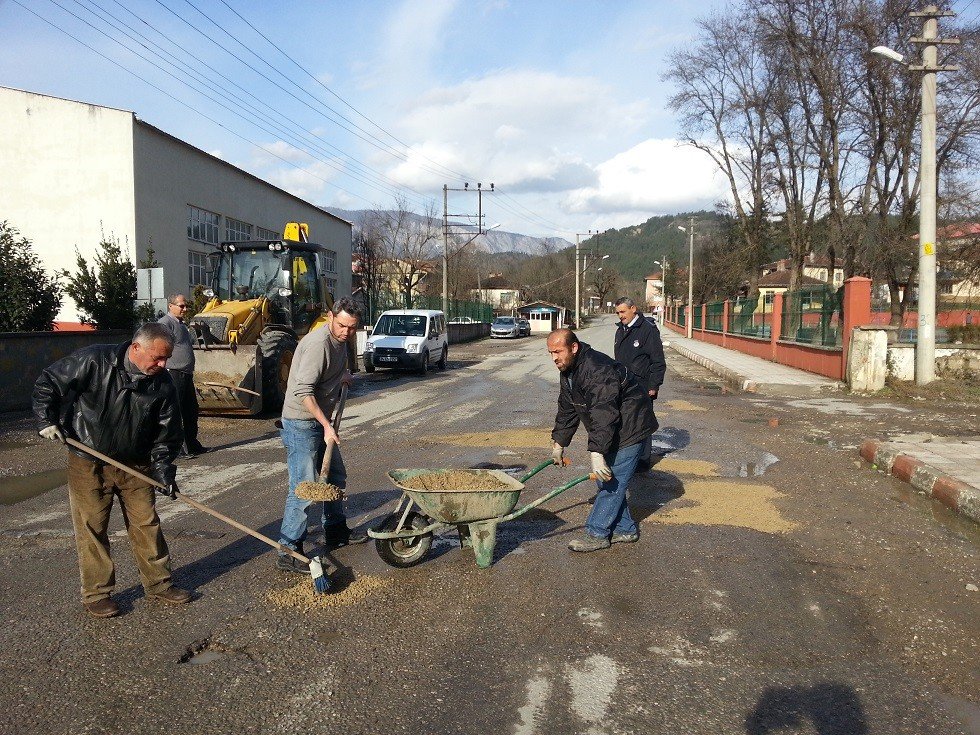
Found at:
[181, 369]
[639, 348]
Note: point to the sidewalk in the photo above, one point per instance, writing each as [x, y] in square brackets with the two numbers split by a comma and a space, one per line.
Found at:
[751, 374]
[944, 468]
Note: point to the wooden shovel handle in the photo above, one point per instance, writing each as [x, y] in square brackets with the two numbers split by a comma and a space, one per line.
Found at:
[328, 455]
[189, 501]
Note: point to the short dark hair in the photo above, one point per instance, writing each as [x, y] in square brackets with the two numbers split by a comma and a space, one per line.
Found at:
[152, 331]
[625, 300]
[346, 304]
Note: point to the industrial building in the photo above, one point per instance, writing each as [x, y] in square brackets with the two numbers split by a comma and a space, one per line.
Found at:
[76, 172]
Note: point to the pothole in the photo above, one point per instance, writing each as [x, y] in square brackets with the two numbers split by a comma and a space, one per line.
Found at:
[202, 652]
[759, 467]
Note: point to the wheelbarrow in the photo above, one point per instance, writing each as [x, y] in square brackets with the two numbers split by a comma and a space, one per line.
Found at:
[405, 537]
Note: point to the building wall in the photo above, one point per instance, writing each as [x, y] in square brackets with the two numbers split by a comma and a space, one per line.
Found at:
[67, 177]
[172, 176]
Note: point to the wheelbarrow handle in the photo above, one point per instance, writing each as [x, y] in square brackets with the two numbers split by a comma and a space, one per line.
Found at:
[548, 496]
[550, 463]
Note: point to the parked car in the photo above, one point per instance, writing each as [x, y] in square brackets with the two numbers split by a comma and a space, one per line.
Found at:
[505, 326]
[462, 320]
[524, 328]
[408, 338]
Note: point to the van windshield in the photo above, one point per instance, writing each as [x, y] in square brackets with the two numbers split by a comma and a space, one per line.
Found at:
[401, 325]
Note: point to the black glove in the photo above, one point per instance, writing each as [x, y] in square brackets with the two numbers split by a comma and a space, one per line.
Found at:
[167, 476]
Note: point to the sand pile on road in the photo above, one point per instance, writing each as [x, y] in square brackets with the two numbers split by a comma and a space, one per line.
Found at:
[521, 438]
[302, 597]
[457, 480]
[307, 490]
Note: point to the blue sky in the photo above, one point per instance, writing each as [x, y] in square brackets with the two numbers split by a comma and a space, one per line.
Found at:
[560, 104]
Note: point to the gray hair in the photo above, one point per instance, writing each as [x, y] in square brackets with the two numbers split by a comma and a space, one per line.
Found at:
[151, 332]
[348, 305]
[625, 300]
[172, 298]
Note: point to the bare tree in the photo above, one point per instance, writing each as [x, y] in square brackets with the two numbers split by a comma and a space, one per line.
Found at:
[408, 243]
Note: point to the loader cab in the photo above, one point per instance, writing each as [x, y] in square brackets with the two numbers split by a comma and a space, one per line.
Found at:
[284, 272]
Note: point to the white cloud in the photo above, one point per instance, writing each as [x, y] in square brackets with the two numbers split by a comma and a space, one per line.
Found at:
[656, 176]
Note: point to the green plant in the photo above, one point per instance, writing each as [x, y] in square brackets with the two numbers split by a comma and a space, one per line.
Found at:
[967, 334]
[31, 298]
[104, 293]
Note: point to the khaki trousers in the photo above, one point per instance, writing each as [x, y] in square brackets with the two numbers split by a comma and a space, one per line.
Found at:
[91, 489]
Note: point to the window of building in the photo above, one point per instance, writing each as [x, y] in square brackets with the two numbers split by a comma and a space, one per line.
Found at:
[237, 230]
[197, 266]
[263, 234]
[202, 225]
[331, 286]
[946, 287]
[767, 298]
[330, 261]
[838, 278]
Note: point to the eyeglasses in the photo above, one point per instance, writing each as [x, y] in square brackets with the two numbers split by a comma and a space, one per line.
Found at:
[180, 306]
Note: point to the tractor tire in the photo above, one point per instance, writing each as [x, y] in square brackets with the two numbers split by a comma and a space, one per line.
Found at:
[276, 349]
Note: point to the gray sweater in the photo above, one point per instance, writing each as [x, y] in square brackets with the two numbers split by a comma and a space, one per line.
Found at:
[183, 357]
[319, 364]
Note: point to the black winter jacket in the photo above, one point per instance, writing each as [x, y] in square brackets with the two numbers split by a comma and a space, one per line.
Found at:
[641, 350]
[133, 421]
[602, 394]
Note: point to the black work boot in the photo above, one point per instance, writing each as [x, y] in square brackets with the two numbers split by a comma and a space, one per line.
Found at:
[338, 535]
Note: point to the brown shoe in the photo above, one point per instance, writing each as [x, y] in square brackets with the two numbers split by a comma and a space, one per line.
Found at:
[173, 595]
[104, 608]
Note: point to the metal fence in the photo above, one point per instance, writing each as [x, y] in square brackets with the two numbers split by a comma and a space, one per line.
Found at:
[750, 317]
[696, 316]
[682, 316]
[478, 311]
[714, 319]
[812, 315]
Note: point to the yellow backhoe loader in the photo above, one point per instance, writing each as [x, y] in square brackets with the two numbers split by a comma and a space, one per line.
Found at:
[264, 297]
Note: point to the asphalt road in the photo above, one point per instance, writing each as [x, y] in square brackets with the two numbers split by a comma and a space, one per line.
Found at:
[778, 586]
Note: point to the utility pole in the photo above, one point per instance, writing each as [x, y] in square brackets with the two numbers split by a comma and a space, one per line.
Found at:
[925, 348]
[578, 280]
[690, 278]
[445, 233]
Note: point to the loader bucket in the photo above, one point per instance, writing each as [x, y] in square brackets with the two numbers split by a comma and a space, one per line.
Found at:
[220, 373]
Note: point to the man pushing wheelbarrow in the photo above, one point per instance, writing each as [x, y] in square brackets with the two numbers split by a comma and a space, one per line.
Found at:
[599, 392]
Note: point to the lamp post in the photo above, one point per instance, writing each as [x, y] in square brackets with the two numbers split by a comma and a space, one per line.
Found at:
[925, 347]
[663, 291]
[690, 275]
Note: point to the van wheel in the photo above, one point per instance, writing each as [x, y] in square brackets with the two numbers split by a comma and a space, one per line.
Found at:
[424, 367]
[368, 366]
[444, 360]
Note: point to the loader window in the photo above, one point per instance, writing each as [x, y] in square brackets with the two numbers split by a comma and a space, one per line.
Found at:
[305, 290]
[247, 274]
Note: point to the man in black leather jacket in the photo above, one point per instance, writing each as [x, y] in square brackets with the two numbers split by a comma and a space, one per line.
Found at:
[639, 347]
[119, 400]
[599, 392]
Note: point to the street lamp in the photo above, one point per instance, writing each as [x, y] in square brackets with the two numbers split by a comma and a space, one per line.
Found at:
[925, 347]
[663, 291]
[690, 275]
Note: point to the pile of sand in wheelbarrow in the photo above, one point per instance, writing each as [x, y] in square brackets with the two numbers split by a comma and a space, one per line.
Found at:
[457, 480]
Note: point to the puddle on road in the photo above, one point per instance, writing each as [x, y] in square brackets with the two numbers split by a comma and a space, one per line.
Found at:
[205, 657]
[696, 467]
[669, 439]
[534, 437]
[17, 489]
[959, 526]
[721, 503]
[682, 405]
[759, 467]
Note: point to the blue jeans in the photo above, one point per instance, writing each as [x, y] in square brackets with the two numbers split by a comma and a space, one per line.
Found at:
[610, 514]
[304, 455]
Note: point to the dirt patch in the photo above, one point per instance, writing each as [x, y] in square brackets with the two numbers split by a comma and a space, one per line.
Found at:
[302, 597]
[681, 405]
[726, 503]
[322, 491]
[520, 438]
[458, 481]
[697, 467]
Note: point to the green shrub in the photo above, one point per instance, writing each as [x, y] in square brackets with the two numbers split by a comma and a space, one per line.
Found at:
[967, 334]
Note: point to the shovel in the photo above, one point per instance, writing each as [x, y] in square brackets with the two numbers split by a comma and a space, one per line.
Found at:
[324, 490]
[320, 581]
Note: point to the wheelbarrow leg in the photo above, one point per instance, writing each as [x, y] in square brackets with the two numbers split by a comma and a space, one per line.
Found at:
[483, 536]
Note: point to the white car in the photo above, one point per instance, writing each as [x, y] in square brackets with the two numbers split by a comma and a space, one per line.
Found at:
[414, 339]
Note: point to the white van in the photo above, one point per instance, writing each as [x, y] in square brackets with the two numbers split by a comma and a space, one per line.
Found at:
[408, 338]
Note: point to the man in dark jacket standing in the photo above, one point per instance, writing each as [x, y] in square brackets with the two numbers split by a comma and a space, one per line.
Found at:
[119, 400]
[181, 369]
[639, 347]
[599, 392]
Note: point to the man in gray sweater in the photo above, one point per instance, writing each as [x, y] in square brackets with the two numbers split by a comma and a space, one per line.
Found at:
[318, 370]
[181, 369]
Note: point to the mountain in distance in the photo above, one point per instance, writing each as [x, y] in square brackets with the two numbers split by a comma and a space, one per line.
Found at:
[494, 241]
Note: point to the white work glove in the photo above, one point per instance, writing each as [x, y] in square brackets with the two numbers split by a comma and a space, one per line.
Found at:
[599, 467]
[53, 433]
[558, 454]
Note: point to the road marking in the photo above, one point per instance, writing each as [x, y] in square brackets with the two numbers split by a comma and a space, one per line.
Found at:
[593, 684]
[681, 652]
[591, 618]
[203, 482]
[538, 690]
[726, 503]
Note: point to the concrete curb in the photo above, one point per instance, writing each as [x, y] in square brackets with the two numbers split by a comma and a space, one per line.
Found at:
[954, 494]
[739, 382]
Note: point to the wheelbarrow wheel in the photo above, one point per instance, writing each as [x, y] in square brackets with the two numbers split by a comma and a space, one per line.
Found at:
[404, 552]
